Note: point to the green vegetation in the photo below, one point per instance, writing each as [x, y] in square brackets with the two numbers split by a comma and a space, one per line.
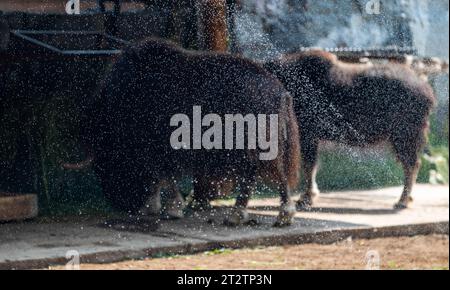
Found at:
[62, 192]
[220, 251]
[435, 165]
[342, 171]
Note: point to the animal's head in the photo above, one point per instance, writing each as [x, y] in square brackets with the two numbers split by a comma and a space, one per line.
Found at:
[300, 68]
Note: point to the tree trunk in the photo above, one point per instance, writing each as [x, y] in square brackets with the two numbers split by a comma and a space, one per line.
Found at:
[213, 25]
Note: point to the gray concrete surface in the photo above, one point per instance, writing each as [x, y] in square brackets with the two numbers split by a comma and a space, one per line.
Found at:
[364, 214]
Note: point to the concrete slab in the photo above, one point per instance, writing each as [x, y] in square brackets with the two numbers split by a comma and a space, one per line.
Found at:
[364, 214]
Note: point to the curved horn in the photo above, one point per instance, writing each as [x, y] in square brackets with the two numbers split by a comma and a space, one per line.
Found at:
[80, 165]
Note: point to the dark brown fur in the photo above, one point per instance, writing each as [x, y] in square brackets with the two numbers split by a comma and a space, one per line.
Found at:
[128, 125]
[358, 105]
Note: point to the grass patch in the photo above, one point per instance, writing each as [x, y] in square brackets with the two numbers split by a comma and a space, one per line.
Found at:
[342, 171]
[221, 251]
[435, 166]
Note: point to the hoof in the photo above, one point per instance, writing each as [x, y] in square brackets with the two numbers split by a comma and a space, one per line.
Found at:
[404, 203]
[304, 205]
[148, 211]
[152, 207]
[199, 206]
[172, 215]
[174, 210]
[286, 216]
[307, 200]
[239, 216]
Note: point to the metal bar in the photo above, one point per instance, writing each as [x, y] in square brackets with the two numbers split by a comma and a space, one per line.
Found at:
[24, 34]
[91, 52]
[37, 42]
[390, 52]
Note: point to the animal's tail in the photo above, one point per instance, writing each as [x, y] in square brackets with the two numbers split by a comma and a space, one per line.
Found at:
[292, 143]
[425, 101]
[430, 98]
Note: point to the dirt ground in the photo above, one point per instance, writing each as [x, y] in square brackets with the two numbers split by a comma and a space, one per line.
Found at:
[421, 252]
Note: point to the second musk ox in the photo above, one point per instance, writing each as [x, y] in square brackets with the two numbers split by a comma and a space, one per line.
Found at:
[128, 129]
[359, 105]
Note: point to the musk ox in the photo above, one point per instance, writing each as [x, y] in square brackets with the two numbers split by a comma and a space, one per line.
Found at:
[358, 105]
[129, 127]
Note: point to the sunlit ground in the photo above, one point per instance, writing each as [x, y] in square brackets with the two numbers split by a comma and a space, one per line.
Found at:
[420, 252]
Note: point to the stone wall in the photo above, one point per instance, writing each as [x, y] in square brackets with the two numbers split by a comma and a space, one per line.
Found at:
[289, 24]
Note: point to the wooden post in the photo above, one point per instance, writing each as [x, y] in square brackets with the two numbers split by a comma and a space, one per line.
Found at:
[213, 25]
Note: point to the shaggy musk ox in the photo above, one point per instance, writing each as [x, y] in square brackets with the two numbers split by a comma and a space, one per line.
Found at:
[128, 126]
[357, 105]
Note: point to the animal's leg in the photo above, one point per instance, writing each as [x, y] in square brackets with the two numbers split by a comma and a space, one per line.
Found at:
[175, 202]
[287, 210]
[408, 150]
[201, 195]
[153, 205]
[410, 179]
[239, 213]
[309, 151]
